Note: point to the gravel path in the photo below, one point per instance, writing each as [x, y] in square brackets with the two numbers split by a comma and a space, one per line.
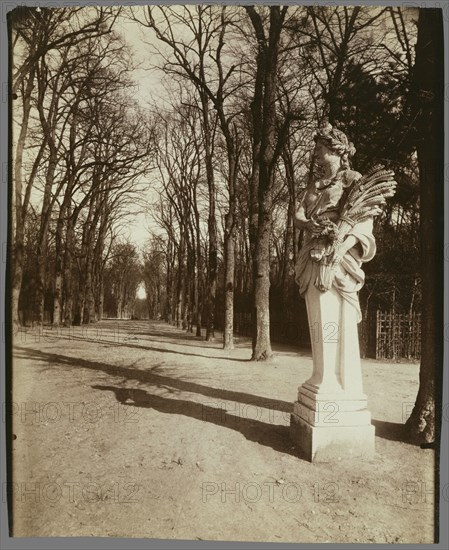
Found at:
[137, 429]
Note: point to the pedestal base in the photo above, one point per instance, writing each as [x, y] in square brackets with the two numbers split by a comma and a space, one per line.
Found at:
[326, 429]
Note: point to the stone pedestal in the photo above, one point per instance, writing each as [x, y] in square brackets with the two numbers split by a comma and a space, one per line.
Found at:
[329, 424]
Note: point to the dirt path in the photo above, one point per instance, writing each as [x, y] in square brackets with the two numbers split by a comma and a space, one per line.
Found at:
[135, 429]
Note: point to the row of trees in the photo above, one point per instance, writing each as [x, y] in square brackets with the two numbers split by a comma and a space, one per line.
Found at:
[226, 147]
[244, 91]
[251, 86]
[81, 148]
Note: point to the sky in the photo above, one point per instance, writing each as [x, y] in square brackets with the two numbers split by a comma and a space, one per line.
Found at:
[149, 90]
[148, 87]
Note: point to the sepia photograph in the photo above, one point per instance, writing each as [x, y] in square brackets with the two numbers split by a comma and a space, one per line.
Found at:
[224, 294]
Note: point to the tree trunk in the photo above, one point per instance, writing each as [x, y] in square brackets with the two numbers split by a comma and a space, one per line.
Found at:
[84, 278]
[189, 288]
[289, 171]
[264, 125]
[100, 298]
[98, 266]
[57, 289]
[169, 284]
[256, 112]
[180, 285]
[262, 348]
[89, 302]
[424, 423]
[229, 254]
[285, 260]
[211, 223]
[18, 214]
[68, 266]
[42, 246]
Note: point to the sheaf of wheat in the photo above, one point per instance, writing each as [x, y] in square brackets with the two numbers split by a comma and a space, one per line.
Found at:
[366, 199]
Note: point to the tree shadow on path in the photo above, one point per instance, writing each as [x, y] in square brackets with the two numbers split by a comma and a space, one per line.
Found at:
[385, 430]
[152, 348]
[153, 378]
[270, 435]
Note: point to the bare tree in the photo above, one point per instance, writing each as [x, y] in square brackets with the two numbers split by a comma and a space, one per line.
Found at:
[265, 155]
[180, 158]
[201, 32]
[36, 34]
[424, 423]
[215, 83]
[340, 35]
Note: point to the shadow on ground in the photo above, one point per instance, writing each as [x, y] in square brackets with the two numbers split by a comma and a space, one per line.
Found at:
[151, 376]
[392, 431]
[152, 348]
[271, 435]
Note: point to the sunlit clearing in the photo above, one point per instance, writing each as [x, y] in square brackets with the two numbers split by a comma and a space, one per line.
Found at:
[141, 293]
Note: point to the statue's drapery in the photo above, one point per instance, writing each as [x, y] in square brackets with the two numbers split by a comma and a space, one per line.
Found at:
[333, 315]
[349, 277]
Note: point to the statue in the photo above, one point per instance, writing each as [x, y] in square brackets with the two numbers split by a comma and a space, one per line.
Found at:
[336, 215]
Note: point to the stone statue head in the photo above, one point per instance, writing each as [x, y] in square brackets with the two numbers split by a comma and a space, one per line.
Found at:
[336, 141]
